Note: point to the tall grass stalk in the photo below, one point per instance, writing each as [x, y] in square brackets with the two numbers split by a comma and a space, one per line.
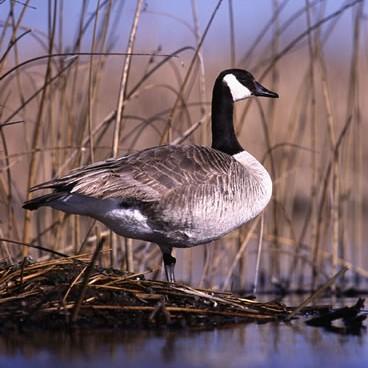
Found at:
[57, 112]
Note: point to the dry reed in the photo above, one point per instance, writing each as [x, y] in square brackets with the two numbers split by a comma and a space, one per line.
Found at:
[60, 108]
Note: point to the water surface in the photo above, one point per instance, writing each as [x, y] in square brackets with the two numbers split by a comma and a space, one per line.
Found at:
[247, 345]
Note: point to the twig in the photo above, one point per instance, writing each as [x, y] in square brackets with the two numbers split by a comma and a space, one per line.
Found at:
[259, 252]
[40, 247]
[191, 65]
[124, 79]
[317, 293]
[239, 253]
[87, 273]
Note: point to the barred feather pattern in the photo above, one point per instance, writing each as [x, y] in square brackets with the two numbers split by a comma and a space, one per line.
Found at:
[177, 195]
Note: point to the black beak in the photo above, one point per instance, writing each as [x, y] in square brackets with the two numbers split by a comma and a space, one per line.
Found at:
[262, 91]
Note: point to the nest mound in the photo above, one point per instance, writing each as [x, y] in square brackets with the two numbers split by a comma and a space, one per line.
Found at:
[70, 291]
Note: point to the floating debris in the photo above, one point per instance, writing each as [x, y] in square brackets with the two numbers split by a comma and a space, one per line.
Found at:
[351, 318]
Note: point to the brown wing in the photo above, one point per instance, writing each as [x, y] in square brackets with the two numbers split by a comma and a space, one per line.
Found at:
[147, 175]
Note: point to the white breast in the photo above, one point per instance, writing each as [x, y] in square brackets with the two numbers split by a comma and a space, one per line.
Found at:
[263, 183]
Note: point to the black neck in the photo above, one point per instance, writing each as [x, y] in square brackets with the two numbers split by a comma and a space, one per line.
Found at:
[223, 133]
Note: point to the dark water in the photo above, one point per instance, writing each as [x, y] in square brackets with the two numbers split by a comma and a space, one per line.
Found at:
[251, 345]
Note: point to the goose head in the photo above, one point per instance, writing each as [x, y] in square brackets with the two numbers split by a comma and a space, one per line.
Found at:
[231, 85]
[242, 85]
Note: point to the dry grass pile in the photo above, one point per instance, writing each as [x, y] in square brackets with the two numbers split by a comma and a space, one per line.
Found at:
[51, 294]
[71, 292]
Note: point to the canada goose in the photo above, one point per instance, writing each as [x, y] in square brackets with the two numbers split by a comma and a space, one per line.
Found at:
[173, 195]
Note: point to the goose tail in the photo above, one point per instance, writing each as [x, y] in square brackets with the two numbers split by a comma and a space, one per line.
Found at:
[44, 200]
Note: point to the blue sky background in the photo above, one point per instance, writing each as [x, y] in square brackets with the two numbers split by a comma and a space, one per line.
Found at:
[158, 29]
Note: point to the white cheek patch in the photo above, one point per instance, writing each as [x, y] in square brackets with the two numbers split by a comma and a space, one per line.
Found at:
[238, 90]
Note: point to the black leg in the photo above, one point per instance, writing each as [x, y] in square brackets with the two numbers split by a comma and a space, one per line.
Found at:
[169, 263]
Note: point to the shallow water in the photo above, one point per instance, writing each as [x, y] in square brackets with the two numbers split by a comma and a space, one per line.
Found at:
[247, 345]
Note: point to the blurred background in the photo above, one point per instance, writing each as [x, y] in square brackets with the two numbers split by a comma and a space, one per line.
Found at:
[67, 90]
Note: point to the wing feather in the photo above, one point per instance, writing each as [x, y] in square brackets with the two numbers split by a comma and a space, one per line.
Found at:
[148, 175]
